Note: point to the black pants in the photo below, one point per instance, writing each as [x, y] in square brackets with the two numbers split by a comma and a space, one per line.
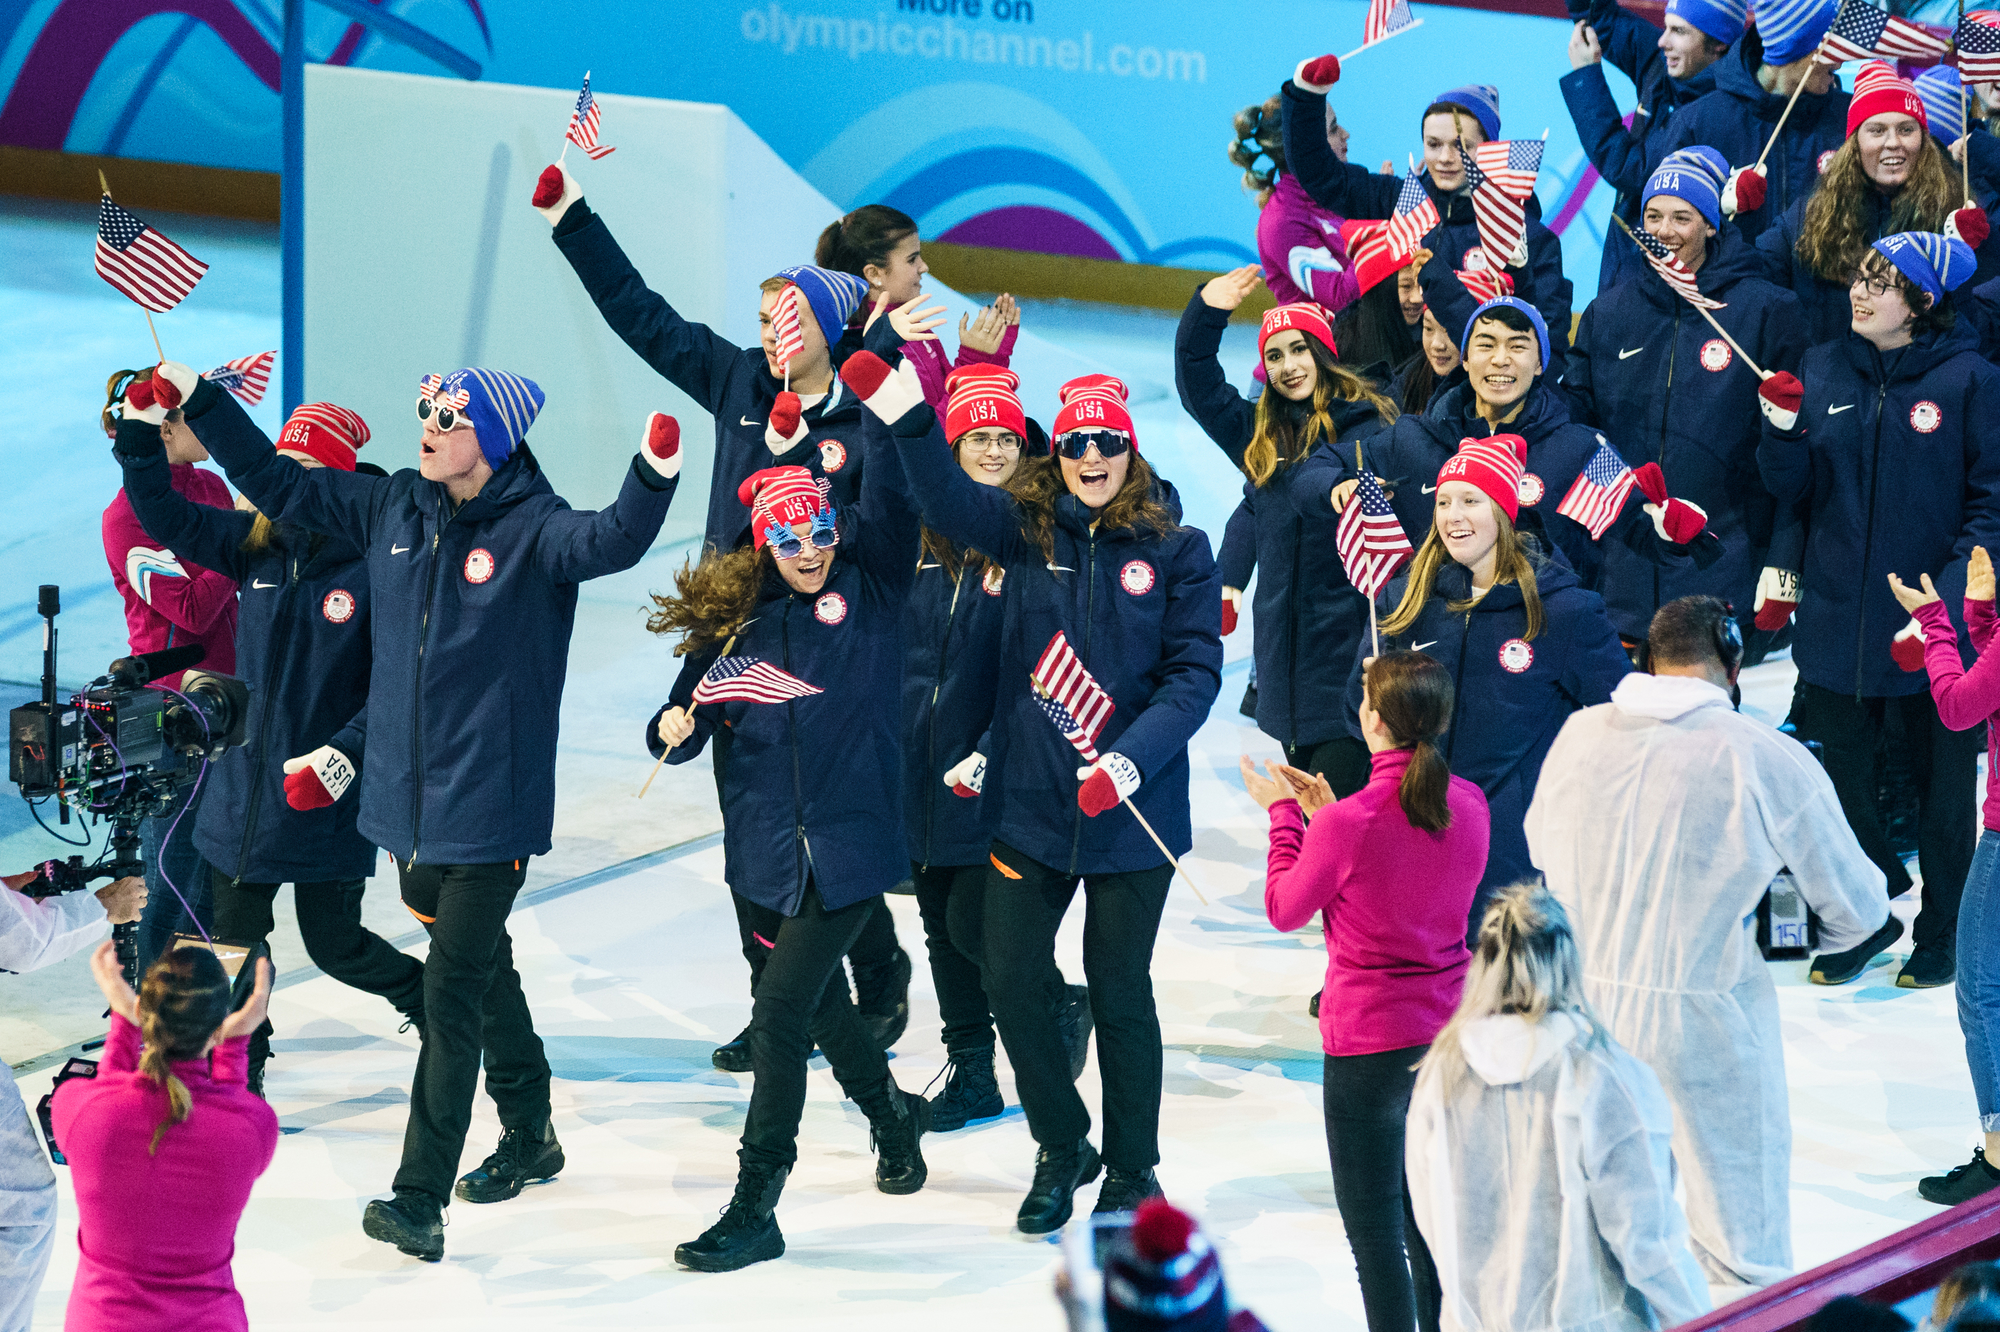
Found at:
[1367, 1101]
[1344, 761]
[474, 1012]
[952, 901]
[1025, 903]
[1944, 764]
[330, 923]
[874, 946]
[801, 999]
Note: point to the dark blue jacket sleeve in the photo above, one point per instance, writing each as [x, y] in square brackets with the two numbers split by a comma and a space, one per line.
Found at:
[1238, 558]
[352, 738]
[1346, 188]
[1596, 660]
[1205, 392]
[706, 717]
[1310, 483]
[955, 506]
[320, 499]
[1618, 156]
[1577, 386]
[1189, 670]
[199, 533]
[1785, 462]
[574, 546]
[890, 526]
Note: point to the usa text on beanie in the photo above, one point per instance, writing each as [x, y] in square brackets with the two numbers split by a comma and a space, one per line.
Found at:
[323, 431]
[500, 405]
[982, 395]
[1516, 303]
[781, 496]
[1495, 465]
[1878, 92]
[1302, 317]
[1694, 174]
[1937, 264]
[1094, 402]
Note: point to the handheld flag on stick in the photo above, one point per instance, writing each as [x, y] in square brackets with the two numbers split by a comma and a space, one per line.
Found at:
[1978, 50]
[1371, 542]
[1599, 492]
[246, 376]
[143, 264]
[1862, 32]
[1416, 215]
[749, 680]
[1501, 176]
[583, 124]
[1681, 278]
[1386, 19]
[791, 338]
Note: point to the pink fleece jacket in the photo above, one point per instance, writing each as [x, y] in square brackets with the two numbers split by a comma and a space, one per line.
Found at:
[157, 1232]
[170, 601]
[1395, 900]
[932, 364]
[1300, 250]
[1964, 697]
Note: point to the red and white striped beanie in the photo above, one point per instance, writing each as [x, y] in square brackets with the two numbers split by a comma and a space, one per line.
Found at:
[781, 496]
[1495, 465]
[982, 395]
[1880, 91]
[1485, 284]
[323, 431]
[1303, 316]
[1094, 402]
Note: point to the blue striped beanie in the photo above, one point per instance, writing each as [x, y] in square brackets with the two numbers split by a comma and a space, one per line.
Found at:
[1695, 174]
[1944, 108]
[1482, 100]
[1720, 19]
[833, 295]
[500, 405]
[1936, 263]
[1790, 29]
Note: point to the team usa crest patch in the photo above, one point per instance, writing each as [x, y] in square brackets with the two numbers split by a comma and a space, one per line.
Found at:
[478, 565]
[1531, 489]
[1516, 655]
[1715, 355]
[1925, 417]
[1136, 577]
[338, 606]
[830, 609]
[991, 583]
[832, 455]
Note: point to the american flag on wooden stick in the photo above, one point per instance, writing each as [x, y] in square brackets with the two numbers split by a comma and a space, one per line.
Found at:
[1385, 18]
[1501, 176]
[1669, 266]
[583, 124]
[1978, 50]
[1599, 492]
[750, 680]
[1371, 542]
[1071, 696]
[141, 262]
[791, 338]
[1862, 32]
[246, 376]
[1416, 215]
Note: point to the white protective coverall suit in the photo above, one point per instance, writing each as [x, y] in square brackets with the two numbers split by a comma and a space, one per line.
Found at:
[1543, 1185]
[1660, 820]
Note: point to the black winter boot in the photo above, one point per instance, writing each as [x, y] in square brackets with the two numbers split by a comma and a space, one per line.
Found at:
[260, 1054]
[413, 1221]
[970, 1091]
[897, 1121]
[748, 1231]
[1059, 1173]
[524, 1157]
[882, 994]
[1074, 1017]
[735, 1056]
[1124, 1190]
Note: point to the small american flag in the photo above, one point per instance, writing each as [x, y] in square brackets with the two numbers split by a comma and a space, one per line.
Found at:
[1978, 51]
[583, 124]
[1862, 32]
[1385, 18]
[1501, 176]
[1371, 541]
[142, 263]
[246, 376]
[1599, 492]
[790, 336]
[1061, 678]
[1416, 216]
[1669, 266]
[750, 680]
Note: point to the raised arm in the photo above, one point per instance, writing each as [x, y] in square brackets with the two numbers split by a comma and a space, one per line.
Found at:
[1205, 392]
[890, 527]
[188, 594]
[574, 546]
[201, 533]
[1346, 188]
[1619, 156]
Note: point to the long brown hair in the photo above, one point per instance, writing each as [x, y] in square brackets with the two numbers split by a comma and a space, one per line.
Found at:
[712, 599]
[1286, 431]
[1516, 564]
[182, 1000]
[944, 550]
[1038, 483]
[1259, 133]
[1412, 695]
[114, 393]
[1831, 242]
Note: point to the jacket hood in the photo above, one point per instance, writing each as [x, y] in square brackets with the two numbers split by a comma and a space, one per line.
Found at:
[1924, 354]
[1507, 1048]
[1665, 697]
[1454, 582]
[519, 478]
[1454, 415]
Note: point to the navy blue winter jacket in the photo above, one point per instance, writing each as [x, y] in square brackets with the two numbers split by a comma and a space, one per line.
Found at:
[1141, 609]
[733, 384]
[1352, 190]
[951, 672]
[1887, 467]
[1309, 618]
[813, 789]
[1654, 376]
[302, 645]
[1236, 559]
[1737, 118]
[1513, 694]
[471, 618]
[1625, 158]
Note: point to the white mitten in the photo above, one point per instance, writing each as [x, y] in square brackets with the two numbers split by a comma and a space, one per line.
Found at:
[661, 445]
[1106, 782]
[555, 192]
[316, 780]
[967, 777]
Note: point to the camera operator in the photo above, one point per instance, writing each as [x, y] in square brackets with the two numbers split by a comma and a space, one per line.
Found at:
[1660, 820]
[168, 603]
[474, 564]
[35, 934]
[302, 645]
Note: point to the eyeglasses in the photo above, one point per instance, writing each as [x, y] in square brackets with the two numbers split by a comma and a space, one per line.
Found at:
[1075, 443]
[1877, 285]
[444, 418]
[980, 442]
[786, 545]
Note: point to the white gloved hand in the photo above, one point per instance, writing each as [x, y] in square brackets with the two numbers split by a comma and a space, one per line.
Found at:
[1778, 593]
[555, 192]
[180, 377]
[316, 780]
[1106, 782]
[967, 777]
[660, 445]
[1519, 259]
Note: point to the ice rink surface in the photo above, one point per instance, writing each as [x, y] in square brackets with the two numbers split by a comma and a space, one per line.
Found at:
[628, 950]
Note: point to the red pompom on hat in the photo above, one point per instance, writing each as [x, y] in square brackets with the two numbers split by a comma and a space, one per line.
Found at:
[1300, 316]
[1495, 465]
[1163, 1273]
[1878, 91]
[1094, 402]
[982, 395]
[781, 496]
[325, 432]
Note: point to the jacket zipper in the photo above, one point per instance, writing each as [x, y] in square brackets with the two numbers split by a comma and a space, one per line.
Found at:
[1458, 686]
[1292, 641]
[930, 747]
[1666, 408]
[1868, 537]
[417, 719]
[800, 866]
[264, 727]
[1089, 622]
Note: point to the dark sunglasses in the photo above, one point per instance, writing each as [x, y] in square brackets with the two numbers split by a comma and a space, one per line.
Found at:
[1075, 443]
[786, 545]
